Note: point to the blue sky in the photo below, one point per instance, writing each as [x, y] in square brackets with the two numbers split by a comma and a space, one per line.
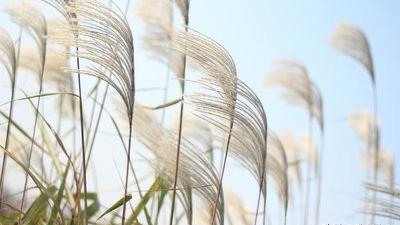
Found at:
[257, 32]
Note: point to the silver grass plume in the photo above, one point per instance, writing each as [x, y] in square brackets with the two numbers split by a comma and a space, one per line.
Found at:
[387, 206]
[196, 175]
[56, 69]
[105, 40]
[277, 167]
[386, 165]
[294, 157]
[236, 209]
[60, 65]
[30, 18]
[364, 124]
[387, 169]
[311, 151]
[351, 41]
[158, 19]
[299, 89]
[157, 16]
[227, 103]
[9, 60]
[199, 133]
[8, 57]
[299, 148]
[56, 73]
[384, 189]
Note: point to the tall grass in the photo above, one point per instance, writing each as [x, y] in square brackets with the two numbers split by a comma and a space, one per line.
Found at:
[172, 164]
[302, 92]
[350, 40]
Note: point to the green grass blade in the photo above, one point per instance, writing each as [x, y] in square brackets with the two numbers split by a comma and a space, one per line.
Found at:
[116, 205]
[147, 215]
[160, 202]
[94, 207]
[155, 187]
[165, 105]
[36, 179]
[36, 212]
[57, 202]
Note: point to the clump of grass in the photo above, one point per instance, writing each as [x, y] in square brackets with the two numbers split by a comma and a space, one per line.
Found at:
[221, 113]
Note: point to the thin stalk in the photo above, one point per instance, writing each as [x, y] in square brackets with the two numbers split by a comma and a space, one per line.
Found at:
[391, 204]
[366, 190]
[308, 178]
[228, 141]
[319, 189]
[263, 183]
[92, 115]
[9, 123]
[86, 219]
[376, 148]
[166, 84]
[102, 103]
[34, 130]
[58, 128]
[148, 217]
[128, 159]
[163, 114]
[178, 150]
[97, 123]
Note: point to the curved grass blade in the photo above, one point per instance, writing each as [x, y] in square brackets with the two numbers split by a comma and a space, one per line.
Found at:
[93, 208]
[57, 202]
[155, 187]
[165, 105]
[116, 205]
[34, 215]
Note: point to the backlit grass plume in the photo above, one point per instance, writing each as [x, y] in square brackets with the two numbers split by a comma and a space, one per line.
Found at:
[299, 89]
[196, 175]
[352, 41]
[200, 133]
[294, 158]
[9, 60]
[386, 166]
[105, 41]
[237, 211]
[364, 124]
[387, 205]
[227, 103]
[277, 165]
[158, 18]
[31, 19]
[157, 15]
[302, 92]
[111, 49]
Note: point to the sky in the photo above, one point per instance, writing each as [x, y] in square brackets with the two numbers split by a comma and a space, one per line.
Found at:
[256, 33]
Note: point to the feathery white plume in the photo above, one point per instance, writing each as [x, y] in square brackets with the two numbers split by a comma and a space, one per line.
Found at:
[352, 41]
[299, 89]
